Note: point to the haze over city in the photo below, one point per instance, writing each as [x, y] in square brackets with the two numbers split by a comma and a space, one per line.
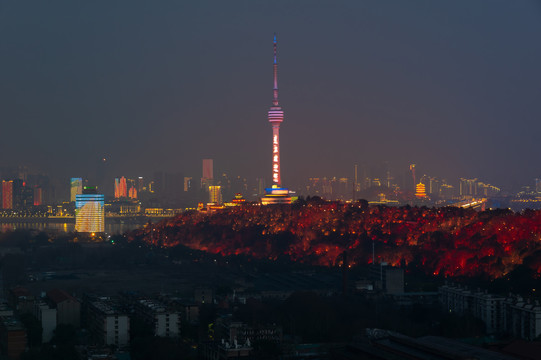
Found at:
[450, 86]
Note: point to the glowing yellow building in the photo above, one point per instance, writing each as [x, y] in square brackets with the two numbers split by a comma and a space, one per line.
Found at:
[215, 194]
[420, 190]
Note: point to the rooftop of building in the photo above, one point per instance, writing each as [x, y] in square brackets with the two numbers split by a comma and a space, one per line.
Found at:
[155, 306]
[57, 296]
[12, 323]
[20, 291]
[108, 307]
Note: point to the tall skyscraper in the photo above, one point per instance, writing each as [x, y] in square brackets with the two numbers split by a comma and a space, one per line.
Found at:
[276, 194]
[412, 170]
[38, 196]
[187, 183]
[76, 187]
[208, 169]
[121, 188]
[132, 193]
[140, 184]
[89, 211]
[7, 194]
[208, 174]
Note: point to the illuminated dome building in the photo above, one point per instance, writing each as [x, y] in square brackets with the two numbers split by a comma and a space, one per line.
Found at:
[276, 194]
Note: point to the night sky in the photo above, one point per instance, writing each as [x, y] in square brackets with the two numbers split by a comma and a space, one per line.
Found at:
[453, 86]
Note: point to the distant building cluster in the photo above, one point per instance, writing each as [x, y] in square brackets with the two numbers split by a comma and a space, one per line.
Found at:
[27, 194]
[107, 319]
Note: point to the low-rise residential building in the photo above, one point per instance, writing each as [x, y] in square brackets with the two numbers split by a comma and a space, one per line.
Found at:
[490, 309]
[237, 332]
[5, 310]
[108, 323]
[68, 308]
[12, 337]
[224, 351]
[21, 300]
[481, 304]
[190, 312]
[522, 318]
[165, 320]
[46, 315]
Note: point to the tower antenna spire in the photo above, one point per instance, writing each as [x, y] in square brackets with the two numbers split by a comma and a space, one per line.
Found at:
[275, 70]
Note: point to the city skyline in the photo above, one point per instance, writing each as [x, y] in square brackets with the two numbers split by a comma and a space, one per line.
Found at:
[451, 87]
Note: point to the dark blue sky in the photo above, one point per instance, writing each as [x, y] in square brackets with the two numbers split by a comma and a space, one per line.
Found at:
[453, 86]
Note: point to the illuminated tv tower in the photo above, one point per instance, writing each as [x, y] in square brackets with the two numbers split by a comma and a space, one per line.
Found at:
[276, 116]
[276, 194]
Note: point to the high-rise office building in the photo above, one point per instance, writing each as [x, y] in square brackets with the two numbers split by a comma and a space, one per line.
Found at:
[187, 184]
[208, 174]
[208, 169]
[215, 194]
[121, 188]
[468, 187]
[276, 194]
[412, 170]
[76, 187]
[140, 183]
[7, 194]
[132, 193]
[38, 196]
[89, 211]
[23, 195]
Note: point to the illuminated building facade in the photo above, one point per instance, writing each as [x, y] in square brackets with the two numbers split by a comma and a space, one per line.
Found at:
[276, 194]
[420, 190]
[468, 187]
[123, 190]
[89, 211]
[76, 188]
[215, 194]
[132, 193]
[140, 183]
[187, 183]
[38, 196]
[7, 194]
[237, 201]
[121, 187]
[208, 173]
